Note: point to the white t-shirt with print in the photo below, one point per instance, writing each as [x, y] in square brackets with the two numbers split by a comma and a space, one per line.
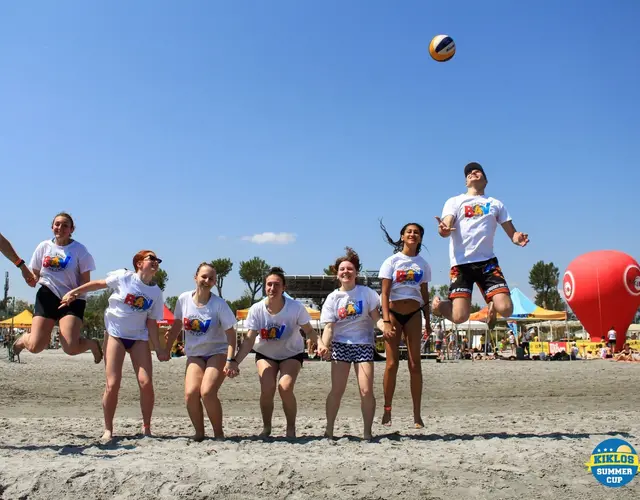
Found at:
[279, 334]
[476, 219]
[611, 334]
[60, 267]
[130, 305]
[349, 311]
[407, 274]
[204, 327]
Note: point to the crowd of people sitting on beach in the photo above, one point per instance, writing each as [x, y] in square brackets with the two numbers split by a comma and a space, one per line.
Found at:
[62, 268]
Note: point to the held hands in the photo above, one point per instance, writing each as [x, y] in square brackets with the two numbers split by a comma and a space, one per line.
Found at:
[28, 276]
[163, 355]
[323, 351]
[388, 331]
[231, 369]
[67, 299]
[520, 239]
[443, 229]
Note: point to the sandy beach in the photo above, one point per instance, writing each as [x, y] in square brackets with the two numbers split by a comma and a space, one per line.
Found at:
[495, 429]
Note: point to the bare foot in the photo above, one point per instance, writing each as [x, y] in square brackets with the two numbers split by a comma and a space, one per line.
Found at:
[367, 436]
[198, 438]
[328, 434]
[146, 430]
[491, 316]
[386, 417]
[291, 431]
[218, 436]
[266, 432]
[97, 353]
[107, 436]
[419, 424]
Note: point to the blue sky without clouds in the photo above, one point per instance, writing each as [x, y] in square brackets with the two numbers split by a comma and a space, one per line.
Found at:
[189, 127]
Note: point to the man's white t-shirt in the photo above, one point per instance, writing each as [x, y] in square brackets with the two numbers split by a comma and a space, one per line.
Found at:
[611, 334]
[349, 311]
[476, 219]
[60, 267]
[130, 305]
[406, 274]
[204, 327]
[279, 334]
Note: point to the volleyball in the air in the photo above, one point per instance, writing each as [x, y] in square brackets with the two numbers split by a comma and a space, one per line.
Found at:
[442, 48]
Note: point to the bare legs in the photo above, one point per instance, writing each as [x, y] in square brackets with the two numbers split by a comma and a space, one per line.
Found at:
[72, 343]
[202, 382]
[268, 373]
[141, 359]
[413, 335]
[339, 378]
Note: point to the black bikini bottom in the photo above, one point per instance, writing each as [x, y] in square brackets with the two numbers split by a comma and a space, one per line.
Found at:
[403, 319]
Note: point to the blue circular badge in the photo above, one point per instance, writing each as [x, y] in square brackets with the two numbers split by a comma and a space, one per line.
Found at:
[614, 463]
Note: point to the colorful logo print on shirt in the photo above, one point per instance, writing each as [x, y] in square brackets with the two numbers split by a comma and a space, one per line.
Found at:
[196, 326]
[272, 332]
[138, 302]
[351, 310]
[476, 210]
[409, 275]
[56, 262]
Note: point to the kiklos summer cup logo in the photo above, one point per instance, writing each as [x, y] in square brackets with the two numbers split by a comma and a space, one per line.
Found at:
[614, 463]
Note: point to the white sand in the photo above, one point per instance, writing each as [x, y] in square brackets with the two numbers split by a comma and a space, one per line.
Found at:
[495, 429]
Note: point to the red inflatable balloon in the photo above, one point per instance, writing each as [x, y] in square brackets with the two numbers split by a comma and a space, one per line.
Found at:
[603, 290]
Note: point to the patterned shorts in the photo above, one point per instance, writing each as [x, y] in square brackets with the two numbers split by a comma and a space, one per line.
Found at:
[352, 353]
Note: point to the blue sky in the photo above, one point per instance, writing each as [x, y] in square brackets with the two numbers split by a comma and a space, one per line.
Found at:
[185, 126]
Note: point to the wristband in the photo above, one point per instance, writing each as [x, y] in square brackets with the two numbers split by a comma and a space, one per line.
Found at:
[19, 262]
[231, 360]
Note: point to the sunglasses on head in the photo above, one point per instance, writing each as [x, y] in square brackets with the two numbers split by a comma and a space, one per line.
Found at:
[153, 258]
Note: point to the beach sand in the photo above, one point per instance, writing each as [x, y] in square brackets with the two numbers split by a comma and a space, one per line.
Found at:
[494, 429]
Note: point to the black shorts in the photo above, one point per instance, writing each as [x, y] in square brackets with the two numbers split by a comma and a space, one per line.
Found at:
[47, 304]
[298, 357]
[487, 275]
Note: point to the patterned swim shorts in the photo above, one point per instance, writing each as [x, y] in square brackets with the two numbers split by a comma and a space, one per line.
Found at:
[352, 353]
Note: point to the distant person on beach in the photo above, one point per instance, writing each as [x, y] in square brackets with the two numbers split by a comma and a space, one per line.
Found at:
[60, 264]
[210, 344]
[273, 333]
[8, 251]
[611, 339]
[135, 306]
[405, 295]
[349, 315]
[471, 219]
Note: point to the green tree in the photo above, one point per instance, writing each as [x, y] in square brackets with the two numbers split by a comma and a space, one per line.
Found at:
[161, 278]
[253, 272]
[171, 302]
[443, 292]
[223, 267]
[543, 278]
[243, 302]
[12, 307]
[97, 304]
[475, 308]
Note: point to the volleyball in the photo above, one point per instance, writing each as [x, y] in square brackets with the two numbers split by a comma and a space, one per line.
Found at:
[442, 48]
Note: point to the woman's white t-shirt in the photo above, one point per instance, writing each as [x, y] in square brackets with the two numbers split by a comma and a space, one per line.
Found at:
[406, 274]
[130, 305]
[349, 311]
[278, 334]
[60, 267]
[204, 327]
